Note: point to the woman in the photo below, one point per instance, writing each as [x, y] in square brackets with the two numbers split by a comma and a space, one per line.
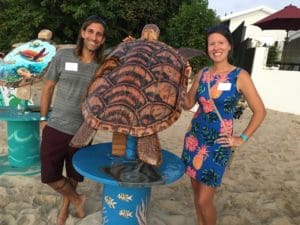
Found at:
[207, 144]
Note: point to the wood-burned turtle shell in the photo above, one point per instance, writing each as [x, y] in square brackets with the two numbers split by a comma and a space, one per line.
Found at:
[138, 90]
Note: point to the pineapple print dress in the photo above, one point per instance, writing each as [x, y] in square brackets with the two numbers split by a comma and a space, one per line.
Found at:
[204, 159]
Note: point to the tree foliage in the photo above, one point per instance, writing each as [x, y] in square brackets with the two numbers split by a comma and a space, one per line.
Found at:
[188, 27]
[182, 22]
[17, 21]
[272, 55]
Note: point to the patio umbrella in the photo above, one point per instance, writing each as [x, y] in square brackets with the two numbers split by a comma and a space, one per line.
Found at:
[189, 53]
[287, 19]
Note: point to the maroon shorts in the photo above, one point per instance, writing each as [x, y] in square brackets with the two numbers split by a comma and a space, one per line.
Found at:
[55, 151]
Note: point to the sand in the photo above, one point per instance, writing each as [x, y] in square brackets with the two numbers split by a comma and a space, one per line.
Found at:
[261, 188]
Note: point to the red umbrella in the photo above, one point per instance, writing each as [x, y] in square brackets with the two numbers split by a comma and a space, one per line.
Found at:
[287, 19]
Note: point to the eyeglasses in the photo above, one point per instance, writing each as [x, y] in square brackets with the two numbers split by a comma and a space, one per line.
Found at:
[96, 19]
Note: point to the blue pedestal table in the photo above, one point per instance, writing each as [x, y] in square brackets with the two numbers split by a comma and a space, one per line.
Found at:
[123, 202]
[23, 139]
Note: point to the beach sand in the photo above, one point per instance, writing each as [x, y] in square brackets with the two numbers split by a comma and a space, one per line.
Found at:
[261, 188]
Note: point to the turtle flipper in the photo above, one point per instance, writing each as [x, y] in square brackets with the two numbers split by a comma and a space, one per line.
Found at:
[83, 136]
[148, 149]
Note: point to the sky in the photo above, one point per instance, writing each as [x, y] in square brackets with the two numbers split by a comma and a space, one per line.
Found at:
[233, 6]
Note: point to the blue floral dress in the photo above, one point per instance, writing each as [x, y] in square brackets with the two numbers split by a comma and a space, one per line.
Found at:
[206, 160]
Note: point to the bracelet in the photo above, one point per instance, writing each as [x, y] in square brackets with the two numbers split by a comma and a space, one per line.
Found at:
[43, 118]
[244, 137]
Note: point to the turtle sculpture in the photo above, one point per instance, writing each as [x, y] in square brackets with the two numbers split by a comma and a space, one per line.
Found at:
[26, 63]
[137, 91]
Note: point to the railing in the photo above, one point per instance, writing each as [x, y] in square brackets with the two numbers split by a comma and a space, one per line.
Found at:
[288, 66]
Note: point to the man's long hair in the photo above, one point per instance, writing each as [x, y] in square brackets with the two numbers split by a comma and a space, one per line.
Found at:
[79, 44]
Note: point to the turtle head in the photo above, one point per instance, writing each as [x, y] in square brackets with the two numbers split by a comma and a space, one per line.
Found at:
[150, 32]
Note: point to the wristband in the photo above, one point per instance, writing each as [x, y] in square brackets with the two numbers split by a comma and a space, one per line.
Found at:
[43, 118]
[244, 137]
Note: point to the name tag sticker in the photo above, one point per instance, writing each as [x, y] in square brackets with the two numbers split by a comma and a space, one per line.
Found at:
[71, 66]
[224, 86]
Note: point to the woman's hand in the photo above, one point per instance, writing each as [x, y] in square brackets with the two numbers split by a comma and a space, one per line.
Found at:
[190, 97]
[230, 141]
[128, 39]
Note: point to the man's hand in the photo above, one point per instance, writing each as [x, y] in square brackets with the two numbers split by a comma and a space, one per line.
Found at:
[129, 38]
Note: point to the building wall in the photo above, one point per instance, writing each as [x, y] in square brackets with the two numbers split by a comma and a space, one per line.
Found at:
[279, 89]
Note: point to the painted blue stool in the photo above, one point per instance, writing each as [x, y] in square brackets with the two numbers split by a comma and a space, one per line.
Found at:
[123, 203]
[23, 135]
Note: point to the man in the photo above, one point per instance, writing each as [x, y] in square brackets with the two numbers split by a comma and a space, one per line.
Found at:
[70, 73]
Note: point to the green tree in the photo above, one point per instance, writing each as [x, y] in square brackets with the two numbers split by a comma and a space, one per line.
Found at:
[182, 22]
[128, 17]
[18, 21]
[21, 20]
[188, 28]
[272, 55]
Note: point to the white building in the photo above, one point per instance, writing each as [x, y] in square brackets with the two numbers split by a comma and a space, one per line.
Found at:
[259, 37]
[278, 88]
